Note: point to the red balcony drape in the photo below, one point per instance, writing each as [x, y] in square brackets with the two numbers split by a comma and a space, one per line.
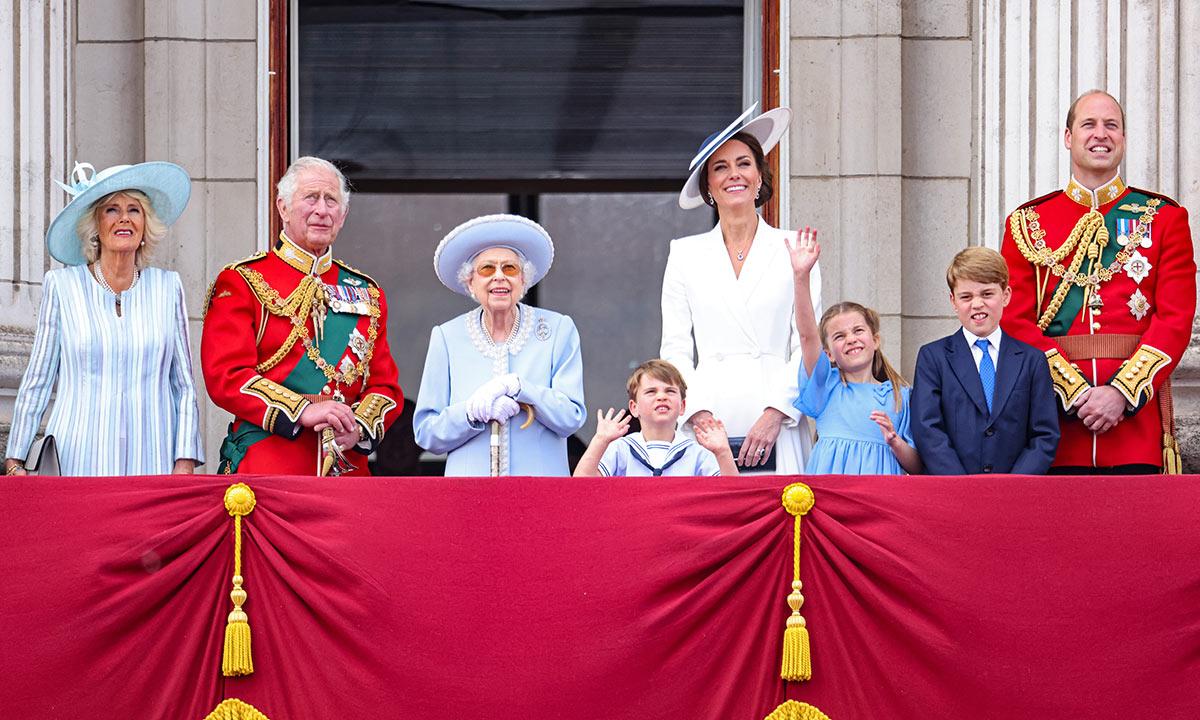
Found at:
[980, 597]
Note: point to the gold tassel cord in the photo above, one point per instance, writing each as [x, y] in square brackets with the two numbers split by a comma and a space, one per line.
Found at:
[236, 659]
[797, 658]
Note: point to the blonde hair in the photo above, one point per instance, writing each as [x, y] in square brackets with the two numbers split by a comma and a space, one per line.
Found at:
[881, 369]
[979, 264]
[660, 370]
[88, 228]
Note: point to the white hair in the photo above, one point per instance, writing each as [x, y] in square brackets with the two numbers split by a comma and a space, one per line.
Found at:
[467, 270]
[287, 184]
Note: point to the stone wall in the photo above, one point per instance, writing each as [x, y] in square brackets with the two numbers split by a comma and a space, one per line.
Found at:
[170, 80]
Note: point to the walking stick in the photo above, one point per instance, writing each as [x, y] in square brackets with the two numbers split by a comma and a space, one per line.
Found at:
[495, 448]
[495, 438]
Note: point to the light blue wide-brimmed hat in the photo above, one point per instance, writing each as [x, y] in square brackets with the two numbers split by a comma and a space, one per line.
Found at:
[767, 128]
[166, 184]
[488, 231]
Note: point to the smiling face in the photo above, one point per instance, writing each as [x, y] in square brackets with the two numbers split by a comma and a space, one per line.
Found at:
[315, 215]
[1096, 139]
[497, 280]
[979, 306]
[657, 404]
[733, 176]
[850, 343]
[121, 222]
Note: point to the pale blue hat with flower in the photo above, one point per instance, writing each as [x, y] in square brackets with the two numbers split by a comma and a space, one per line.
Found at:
[166, 184]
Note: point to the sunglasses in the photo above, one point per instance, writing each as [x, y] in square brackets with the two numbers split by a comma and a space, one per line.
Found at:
[489, 269]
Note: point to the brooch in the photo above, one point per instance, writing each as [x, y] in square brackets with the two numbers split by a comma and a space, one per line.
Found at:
[1138, 304]
[541, 331]
[1138, 267]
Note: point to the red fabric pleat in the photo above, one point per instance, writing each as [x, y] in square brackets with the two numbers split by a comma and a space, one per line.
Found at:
[985, 597]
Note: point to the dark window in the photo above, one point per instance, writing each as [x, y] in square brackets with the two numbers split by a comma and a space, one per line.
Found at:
[527, 90]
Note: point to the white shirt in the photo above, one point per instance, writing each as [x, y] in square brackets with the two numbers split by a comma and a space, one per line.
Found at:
[993, 347]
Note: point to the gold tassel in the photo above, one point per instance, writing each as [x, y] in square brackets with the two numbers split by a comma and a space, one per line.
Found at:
[234, 709]
[793, 710]
[797, 659]
[1172, 460]
[236, 659]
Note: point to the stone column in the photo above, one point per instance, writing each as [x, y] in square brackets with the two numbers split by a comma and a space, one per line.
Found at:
[844, 87]
[35, 61]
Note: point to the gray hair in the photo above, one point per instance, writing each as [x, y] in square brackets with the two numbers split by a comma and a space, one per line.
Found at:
[286, 187]
[467, 270]
[88, 228]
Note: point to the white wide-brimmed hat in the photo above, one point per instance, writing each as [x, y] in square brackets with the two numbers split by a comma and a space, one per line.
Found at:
[166, 184]
[488, 231]
[767, 128]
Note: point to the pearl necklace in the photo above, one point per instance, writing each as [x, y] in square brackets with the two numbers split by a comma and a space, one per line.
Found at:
[487, 334]
[104, 282]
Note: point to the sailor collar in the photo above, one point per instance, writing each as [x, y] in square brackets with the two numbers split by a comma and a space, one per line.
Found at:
[1093, 199]
[299, 258]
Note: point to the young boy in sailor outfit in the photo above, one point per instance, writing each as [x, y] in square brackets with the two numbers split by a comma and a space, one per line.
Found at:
[657, 395]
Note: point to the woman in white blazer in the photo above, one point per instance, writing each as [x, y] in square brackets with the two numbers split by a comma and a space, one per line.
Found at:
[727, 316]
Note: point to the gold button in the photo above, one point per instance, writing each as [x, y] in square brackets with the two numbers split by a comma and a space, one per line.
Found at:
[1129, 376]
[1071, 381]
[1095, 326]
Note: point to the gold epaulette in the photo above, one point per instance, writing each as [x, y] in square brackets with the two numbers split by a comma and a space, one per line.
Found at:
[1068, 382]
[1039, 200]
[1135, 379]
[1160, 196]
[371, 411]
[213, 285]
[356, 271]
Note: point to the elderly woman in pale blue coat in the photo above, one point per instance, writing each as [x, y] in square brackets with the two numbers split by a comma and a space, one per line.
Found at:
[502, 363]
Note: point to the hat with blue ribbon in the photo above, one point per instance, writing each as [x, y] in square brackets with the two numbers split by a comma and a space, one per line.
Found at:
[514, 232]
[166, 184]
[767, 128]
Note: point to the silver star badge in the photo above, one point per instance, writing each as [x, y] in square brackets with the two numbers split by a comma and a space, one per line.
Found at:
[1138, 267]
[1138, 304]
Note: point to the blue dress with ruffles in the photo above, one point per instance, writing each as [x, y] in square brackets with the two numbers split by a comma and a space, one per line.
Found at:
[848, 441]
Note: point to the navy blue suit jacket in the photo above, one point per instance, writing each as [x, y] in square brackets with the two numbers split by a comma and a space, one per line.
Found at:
[954, 432]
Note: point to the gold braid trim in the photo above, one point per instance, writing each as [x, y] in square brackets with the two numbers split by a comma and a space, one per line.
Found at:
[1069, 383]
[371, 411]
[1136, 376]
[1089, 238]
[296, 308]
[794, 710]
[277, 397]
[234, 709]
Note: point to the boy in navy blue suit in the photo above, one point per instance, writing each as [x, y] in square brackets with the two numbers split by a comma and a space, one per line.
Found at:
[982, 401]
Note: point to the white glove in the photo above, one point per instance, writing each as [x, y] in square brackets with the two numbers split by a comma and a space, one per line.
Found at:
[481, 402]
[504, 408]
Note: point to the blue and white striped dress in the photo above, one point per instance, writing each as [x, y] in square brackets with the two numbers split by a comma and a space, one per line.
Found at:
[126, 404]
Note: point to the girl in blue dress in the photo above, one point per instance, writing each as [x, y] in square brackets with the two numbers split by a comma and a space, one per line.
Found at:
[859, 402]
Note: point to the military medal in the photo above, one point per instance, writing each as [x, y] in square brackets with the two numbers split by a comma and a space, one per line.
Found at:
[1138, 267]
[1138, 304]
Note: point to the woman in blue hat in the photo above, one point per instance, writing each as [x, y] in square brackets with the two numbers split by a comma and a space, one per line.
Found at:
[729, 294]
[112, 334]
[502, 388]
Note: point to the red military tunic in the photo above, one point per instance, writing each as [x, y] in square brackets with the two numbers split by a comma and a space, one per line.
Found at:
[1096, 271]
[283, 329]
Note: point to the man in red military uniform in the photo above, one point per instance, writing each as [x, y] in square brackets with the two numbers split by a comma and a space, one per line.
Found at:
[295, 343]
[1105, 283]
